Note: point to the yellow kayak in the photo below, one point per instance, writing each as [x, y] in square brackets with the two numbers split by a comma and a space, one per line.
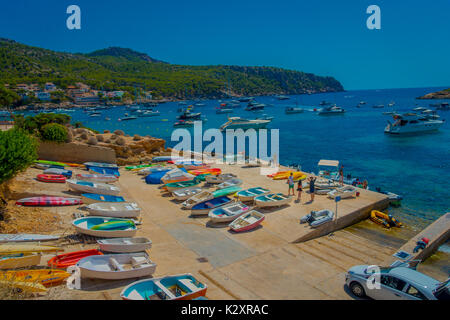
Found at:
[46, 277]
[26, 248]
[285, 175]
[24, 286]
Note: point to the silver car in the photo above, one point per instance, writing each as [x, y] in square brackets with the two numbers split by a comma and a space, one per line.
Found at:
[395, 283]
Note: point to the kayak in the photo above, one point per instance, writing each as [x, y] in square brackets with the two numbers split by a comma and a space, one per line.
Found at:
[23, 237]
[141, 166]
[53, 178]
[45, 277]
[114, 225]
[46, 166]
[53, 163]
[8, 249]
[24, 286]
[48, 201]
[213, 171]
[69, 259]
[296, 175]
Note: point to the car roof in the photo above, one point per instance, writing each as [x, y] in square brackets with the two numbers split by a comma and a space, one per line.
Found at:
[414, 277]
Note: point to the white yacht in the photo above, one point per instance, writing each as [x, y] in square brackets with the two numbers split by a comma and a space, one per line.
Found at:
[240, 123]
[412, 123]
[331, 110]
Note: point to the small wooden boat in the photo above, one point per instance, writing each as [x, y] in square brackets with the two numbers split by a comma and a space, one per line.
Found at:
[197, 198]
[19, 260]
[124, 245]
[23, 237]
[247, 221]
[212, 171]
[183, 184]
[114, 209]
[66, 260]
[250, 194]
[48, 201]
[205, 206]
[384, 219]
[45, 277]
[52, 178]
[213, 179]
[343, 192]
[117, 266]
[90, 226]
[66, 173]
[94, 197]
[234, 182]
[98, 170]
[93, 187]
[317, 218]
[178, 287]
[226, 191]
[228, 212]
[103, 178]
[186, 193]
[18, 248]
[272, 200]
[100, 165]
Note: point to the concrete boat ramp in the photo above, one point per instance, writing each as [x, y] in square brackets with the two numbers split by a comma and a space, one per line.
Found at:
[282, 259]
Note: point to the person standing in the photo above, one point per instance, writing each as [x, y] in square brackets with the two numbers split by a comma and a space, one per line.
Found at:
[291, 184]
[312, 181]
[299, 190]
[341, 175]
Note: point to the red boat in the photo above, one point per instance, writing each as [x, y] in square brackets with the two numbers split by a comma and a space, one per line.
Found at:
[55, 178]
[69, 259]
[48, 201]
[247, 221]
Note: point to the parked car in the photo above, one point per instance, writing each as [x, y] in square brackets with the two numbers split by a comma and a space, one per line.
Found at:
[396, 283]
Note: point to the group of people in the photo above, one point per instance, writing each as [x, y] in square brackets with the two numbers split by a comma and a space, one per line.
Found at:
[291, 184]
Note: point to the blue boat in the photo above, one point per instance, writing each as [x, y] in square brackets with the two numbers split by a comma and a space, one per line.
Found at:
[205, 206]
[95, 197]
[178, 287]
[104, 171]
[155, 177]
[64, 172]
[100, 165]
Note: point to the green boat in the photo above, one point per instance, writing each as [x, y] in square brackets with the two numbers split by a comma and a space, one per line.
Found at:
[52, 163]
[141, 166]
[182, 184]
[226, 191]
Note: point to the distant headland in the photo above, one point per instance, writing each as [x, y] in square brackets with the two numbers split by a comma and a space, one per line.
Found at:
[443, 94]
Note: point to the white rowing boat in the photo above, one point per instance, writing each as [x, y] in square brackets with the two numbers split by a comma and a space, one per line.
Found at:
[114, 209]
[272, 200]
[186, 193]
[93, 187]
[125, 245]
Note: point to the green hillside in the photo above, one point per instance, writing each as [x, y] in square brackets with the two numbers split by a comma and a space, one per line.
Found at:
[124, 69]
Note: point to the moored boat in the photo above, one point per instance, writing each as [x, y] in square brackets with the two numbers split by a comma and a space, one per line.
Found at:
[108, 171]
[90, 226]
[182, 184]
[186, 193]
[272, 200]
[125, 245]
[94, 197]
[48, 201]
[247, 221]
[51, 178]
[177, 287]
[384, 219]
[116, 266]
[213, 179]
[228, 212]
[19, 260]
[197, 198]
[103, 178]
[100, 165]
[205, 206]
[114, 209]
[343, 192]
[233, 182]
[66, 173]
[250, 194]
[66, 260]
[24, 237]
[93, 187]
[317, 218]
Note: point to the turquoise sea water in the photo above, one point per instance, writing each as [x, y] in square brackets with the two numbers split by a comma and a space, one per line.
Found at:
[416, 167]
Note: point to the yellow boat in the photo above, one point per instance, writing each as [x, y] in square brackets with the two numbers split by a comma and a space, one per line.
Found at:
[6, 249]
[46, 277]
[384, 219]
[285, 175]
[23, 286]
[21, 260]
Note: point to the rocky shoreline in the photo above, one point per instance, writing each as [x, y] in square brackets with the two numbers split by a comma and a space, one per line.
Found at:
[443, 94]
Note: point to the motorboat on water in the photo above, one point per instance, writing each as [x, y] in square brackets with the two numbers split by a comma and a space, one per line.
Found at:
[241, 123]
[408, 123]
[378, 106]
[184, 123]
[255, 107]
[223, 110]
[331, 110]
[290, 110]
[187, 115]
[282, 97]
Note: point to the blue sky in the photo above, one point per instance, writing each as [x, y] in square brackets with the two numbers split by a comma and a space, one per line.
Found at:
[325, 37]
